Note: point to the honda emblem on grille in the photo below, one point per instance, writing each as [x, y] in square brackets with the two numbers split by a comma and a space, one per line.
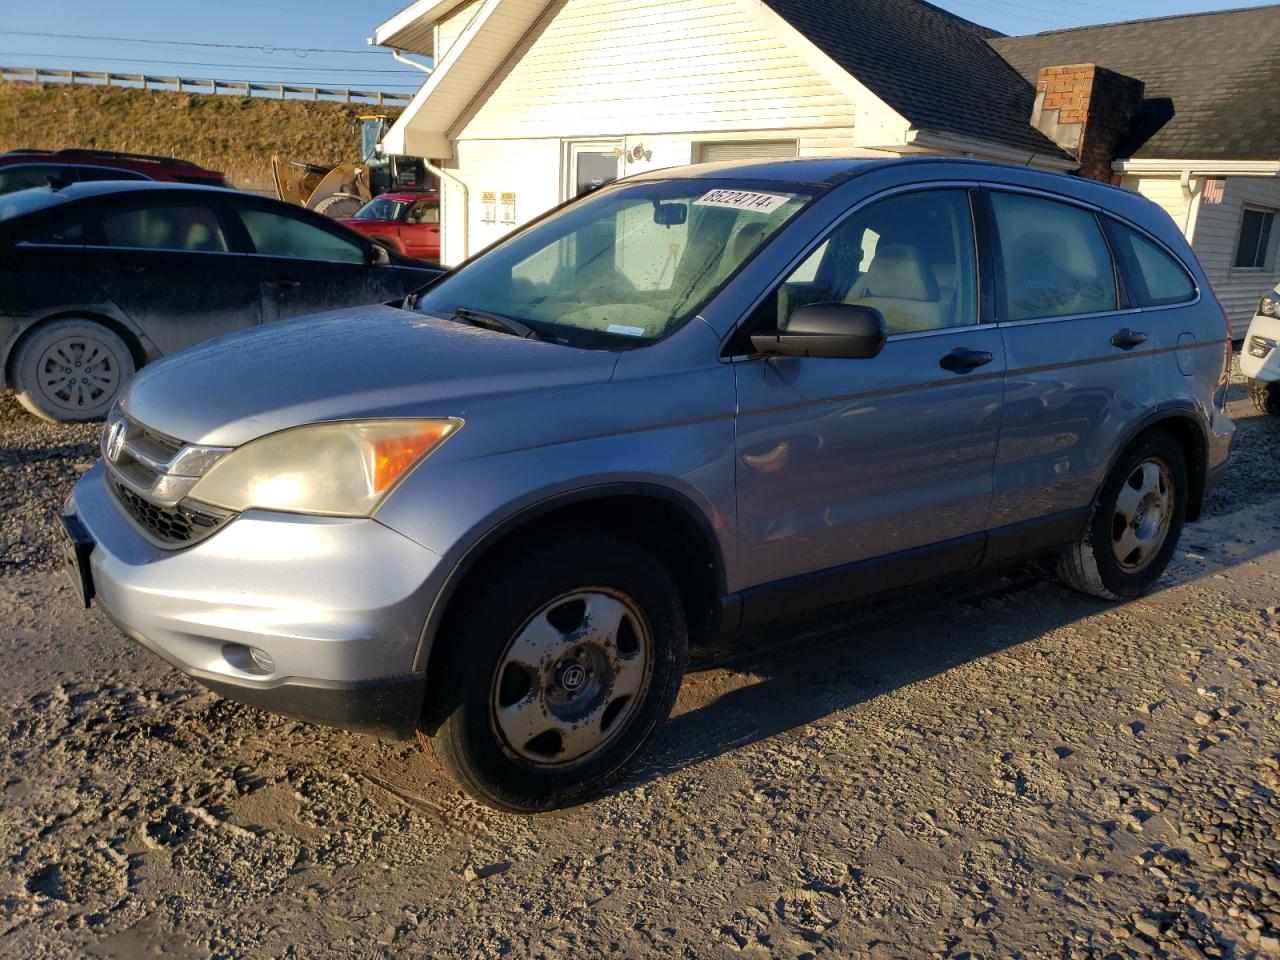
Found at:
[115, 441]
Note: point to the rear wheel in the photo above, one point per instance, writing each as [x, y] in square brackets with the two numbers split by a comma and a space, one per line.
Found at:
[71, 370]
[1265, 396]
[1136, 522]
[561, 666]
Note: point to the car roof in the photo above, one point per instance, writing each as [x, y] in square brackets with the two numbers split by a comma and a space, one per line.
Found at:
[409, 195]
[98, 188]
[827, 172]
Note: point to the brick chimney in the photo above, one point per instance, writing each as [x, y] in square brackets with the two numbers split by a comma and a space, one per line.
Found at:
[1086, 110]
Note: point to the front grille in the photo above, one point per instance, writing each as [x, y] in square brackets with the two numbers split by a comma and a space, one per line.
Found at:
[151, 476]
[172, 526]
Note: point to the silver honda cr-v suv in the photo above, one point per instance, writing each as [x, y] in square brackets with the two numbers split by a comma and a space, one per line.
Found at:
[693, 401]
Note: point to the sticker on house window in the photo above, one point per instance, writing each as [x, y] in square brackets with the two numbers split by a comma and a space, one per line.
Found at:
[741, 200]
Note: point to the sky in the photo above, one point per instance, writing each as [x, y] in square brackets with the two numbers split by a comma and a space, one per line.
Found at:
[322, 42]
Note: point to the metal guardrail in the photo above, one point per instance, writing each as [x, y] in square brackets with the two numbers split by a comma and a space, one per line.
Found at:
[191, 85]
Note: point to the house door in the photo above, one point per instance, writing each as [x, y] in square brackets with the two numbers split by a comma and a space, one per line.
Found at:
[591, 164]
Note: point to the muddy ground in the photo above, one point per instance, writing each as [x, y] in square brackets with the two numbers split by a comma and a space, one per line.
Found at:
[1001, 769]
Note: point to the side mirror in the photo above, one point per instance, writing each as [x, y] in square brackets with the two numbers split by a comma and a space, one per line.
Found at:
[670, 214]
[377, 255]
[839, 331]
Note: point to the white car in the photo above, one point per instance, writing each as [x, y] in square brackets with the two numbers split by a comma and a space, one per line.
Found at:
[1260, 357]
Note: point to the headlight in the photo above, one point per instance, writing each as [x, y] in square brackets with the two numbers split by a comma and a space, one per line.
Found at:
[1269, 307]
[340, 469]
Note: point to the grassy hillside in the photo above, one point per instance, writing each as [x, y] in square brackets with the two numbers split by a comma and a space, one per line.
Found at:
[233, 134]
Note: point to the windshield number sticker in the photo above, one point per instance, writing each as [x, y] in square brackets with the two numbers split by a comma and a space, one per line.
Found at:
[625, 330]
[741, 200]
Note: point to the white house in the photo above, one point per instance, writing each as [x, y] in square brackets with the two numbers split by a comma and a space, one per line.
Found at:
[533, 101]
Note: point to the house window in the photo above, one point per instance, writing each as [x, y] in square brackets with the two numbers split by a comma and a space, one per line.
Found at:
[1254, 247]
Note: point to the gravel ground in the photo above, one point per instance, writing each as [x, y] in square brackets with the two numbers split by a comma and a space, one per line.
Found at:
[1014, 772]
[39, 463]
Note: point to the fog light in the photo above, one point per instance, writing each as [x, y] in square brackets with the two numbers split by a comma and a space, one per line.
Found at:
[1260, 347]
[248, 659]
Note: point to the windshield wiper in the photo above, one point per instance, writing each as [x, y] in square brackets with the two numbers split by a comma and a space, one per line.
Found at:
[494, 321]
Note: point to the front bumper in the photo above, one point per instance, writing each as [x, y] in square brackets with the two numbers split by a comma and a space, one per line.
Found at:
[334, 609]
[1264, 369]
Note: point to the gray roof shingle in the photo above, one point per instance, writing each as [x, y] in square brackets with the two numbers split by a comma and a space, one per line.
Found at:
[1212, 79]
[934, 68]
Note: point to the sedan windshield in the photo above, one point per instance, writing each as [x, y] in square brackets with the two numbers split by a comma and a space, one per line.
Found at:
[624, 266]
[381, 209]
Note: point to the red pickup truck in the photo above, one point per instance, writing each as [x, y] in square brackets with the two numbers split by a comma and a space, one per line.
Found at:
[408, 223]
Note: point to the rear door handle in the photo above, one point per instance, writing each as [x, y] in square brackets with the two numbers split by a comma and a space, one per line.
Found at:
[286, 283]
[126, 269]
[962, 360]
[1127, 339]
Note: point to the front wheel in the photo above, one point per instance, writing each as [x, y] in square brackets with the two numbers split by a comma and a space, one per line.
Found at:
[561, 667]
[1265, 396]
[1136, 522]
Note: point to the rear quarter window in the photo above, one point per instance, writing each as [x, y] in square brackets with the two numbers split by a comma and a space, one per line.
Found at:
[1157, 278]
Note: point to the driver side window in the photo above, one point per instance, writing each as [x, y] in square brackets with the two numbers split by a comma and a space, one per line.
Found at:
[911, 257]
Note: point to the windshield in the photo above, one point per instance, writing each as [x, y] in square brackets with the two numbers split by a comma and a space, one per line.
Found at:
[628, 263]
[381, 209]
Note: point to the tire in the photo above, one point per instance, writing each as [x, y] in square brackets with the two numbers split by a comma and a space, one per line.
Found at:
[339, 205]
[1265, 396]
[1136, 522]
[513, 737]
[48, 377]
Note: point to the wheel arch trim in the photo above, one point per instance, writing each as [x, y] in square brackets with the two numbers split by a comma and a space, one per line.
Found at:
[1185, 414]
[495, 533]
[139, 346]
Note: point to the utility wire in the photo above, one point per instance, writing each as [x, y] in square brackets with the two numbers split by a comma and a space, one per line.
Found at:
[275, 81]
[198, 63]
[267, 48]
[308, 11]
[1057, 25]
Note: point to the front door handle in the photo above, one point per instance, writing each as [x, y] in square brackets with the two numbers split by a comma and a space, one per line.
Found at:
[125, 269]
[286, 283]
[962, 361]
[1127, 339]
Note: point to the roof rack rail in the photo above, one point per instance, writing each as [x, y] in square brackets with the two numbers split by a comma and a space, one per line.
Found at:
[120, 155]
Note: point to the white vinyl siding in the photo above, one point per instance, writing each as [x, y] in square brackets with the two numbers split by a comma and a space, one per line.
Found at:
[1165, 192]
[450, 28]
[1216, 236]
[607, 67]
[713, 152]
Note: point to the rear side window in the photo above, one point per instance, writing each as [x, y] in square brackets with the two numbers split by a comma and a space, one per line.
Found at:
[1056, 260]
[193, 228]
[274, 235]
[27, 175]
[1157, 278]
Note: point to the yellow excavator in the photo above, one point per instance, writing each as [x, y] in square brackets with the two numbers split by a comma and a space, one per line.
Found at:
[341, 190]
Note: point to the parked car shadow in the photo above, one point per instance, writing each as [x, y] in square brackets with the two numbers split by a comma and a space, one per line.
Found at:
[808, 670]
